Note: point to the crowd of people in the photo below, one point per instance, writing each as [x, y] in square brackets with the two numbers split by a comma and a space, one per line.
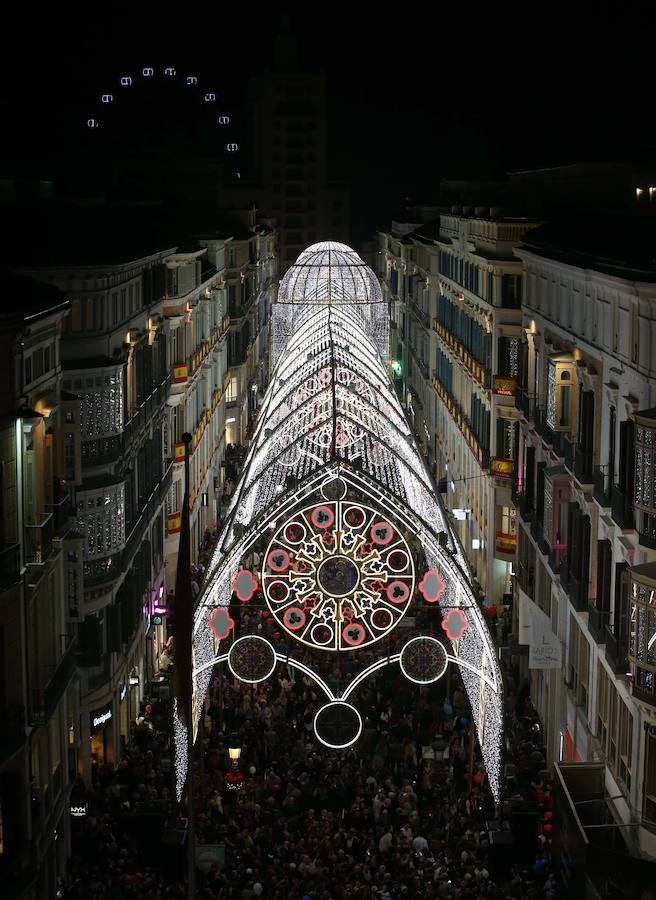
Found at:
[405, 812]
[398, 815]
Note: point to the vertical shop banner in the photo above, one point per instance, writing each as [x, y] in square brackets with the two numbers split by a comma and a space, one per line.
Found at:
[544, 647]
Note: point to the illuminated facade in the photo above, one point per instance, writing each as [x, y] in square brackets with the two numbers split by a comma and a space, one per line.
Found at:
[39, 709]
[455, 293]
[353, 537]
[586, 500]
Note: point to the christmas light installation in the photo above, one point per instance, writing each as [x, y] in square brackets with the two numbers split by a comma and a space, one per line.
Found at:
[337, 576]
[336, 483]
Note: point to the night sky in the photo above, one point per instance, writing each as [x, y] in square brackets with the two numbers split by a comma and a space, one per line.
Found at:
[412, 97]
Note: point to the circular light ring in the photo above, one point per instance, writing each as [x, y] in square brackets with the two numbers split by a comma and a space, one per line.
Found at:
[294, 618]
[381, 614]
[333, 489]
[278, 586]
[395, 556]
[335, 560]
[314, 632]
[355, 512]
[316, 517]
[357, 721]
[278, 560]
[393, 589]
[266, 647]
[299, 526]
[381, 533]
[353, 634]
[437, 651]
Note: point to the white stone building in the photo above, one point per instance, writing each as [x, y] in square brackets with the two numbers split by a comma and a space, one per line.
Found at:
[586, 494]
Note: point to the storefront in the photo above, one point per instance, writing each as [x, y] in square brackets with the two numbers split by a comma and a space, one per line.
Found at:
[100, 736]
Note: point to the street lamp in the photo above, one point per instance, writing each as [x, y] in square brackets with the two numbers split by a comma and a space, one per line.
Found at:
[234, 750]
[234, 779]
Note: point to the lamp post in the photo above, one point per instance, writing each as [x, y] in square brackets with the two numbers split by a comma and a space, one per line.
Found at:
[234, 778]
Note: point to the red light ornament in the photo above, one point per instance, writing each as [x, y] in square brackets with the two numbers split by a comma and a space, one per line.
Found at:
[244, 585]
[432, 586]
[221, 623]
[455, 624]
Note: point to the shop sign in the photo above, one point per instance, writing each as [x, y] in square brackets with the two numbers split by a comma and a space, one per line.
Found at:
[100, 718]
[78, 812]
[123, 692]
[134, 679]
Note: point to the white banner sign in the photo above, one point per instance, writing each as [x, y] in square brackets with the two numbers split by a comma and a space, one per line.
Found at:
[544, 647]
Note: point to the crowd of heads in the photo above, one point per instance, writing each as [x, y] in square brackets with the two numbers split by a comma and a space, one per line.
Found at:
[400, 814]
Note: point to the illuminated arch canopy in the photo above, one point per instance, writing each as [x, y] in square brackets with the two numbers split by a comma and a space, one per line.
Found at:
[336, 492]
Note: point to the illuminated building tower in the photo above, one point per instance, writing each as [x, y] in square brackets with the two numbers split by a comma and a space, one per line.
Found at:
[39, 718]
[356, 554]
[455, 294]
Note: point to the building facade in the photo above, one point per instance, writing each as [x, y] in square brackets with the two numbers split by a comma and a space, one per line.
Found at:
[39, 696]
[585, 493]
[455, 290]
[147, 354]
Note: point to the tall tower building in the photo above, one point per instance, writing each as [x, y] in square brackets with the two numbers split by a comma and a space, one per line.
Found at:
[287, 142]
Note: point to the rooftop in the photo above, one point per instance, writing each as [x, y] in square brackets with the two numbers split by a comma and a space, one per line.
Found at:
[24, 298]
[624, 246]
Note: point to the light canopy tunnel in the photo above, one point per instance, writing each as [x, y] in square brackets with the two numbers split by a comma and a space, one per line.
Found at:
[355, 546]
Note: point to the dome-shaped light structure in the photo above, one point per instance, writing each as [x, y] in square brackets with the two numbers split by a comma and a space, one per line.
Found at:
[333, 274]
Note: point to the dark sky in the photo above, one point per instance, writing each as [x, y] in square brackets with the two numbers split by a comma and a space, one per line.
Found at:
[414, 95]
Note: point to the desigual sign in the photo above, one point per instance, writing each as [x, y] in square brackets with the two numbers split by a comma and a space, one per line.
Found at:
[100, 718]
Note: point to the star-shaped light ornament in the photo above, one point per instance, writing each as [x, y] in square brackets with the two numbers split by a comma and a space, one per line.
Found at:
[455, 624]
[432, 586]
[244, 585]
[221, 623]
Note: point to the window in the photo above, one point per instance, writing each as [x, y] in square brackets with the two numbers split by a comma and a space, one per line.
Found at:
[231, 393]
[579, 660]
[649, 802]
[625, 743]
[511, 291]
[614, 728]
[28, 370]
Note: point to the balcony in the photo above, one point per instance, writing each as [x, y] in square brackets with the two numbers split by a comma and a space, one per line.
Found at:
[578, 593]
[564, 573]
[38, 540]
[545, 431]
[536, 528]
[12, 733]
[617, 652]
[601, 487]
[598, 619]
[525, 506]
[647, 529]
[525, 403]
[568, 445]
[148, 408]
[61, 515]
[558, 443]
[621, 509]
[582, 465]
[45, 700]
[554, 557]
[9, 566]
